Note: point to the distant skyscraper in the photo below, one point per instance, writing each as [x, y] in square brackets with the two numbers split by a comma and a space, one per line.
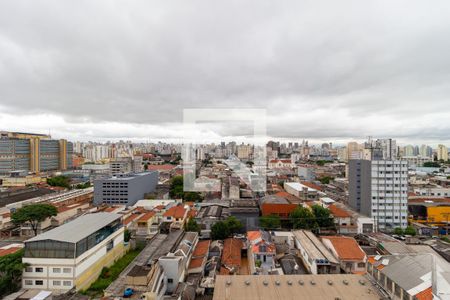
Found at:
[442, 152]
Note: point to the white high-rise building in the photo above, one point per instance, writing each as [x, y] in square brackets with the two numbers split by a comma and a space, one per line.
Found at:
[379, 189]
[442, 153]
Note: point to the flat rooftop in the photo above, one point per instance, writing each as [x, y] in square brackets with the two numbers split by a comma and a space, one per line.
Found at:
[270, 287]
[299, 187]
[77, 229]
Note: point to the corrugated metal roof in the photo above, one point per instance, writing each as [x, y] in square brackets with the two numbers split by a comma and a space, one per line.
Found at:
[77, 229]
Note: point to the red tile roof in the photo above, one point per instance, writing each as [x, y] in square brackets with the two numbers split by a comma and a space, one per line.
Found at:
[10, 250]
[176, 212]
[202, 248]
[130, 218]
[231, 255]
[277, 208]
[196, 262]
[346, 247]
[338, 212]
[147, 216]
[160, 167]
[192, 213]
[426, 294]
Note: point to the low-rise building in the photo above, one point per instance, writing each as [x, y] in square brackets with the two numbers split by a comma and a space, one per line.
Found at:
[261, 252]
[73, 255]
[275, 205]
[176, 216]
[147, 224]
[231, 257]
[412, 276]
[175, 264]
[350, 255]
[270, 287]
[210, 214]
[315, 256]
[343, 220]
[301, 191]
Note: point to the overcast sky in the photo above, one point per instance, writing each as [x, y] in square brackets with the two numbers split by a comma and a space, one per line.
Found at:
[324, 70]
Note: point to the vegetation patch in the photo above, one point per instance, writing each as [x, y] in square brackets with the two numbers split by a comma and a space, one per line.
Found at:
[109, 274]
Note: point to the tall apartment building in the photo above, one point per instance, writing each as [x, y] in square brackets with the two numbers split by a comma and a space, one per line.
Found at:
[73, 254]
[33, 153]
[442, 153]
[379, 189]
[124, 189]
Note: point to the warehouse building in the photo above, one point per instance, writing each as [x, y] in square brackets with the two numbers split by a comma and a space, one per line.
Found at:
[73, 255]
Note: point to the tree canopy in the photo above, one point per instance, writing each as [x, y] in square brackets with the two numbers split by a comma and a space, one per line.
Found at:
[303, 218]
[219, 231]
[11, 268]
[62, 181]
[223, 229]
[191, 225]
[176, 191]
[431, 164]
[33, 213]
[410, 231]
[323, 217]
[270, 222]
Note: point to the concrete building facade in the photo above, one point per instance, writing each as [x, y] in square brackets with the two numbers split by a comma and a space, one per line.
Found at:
[124, 189]
[34, 153]
[73, 255]
[378, 189]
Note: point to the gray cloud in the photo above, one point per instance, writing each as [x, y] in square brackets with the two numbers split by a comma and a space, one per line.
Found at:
[322, 69]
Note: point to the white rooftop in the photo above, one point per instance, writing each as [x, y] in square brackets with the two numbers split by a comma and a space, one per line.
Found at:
[299, 187]
[77, 229]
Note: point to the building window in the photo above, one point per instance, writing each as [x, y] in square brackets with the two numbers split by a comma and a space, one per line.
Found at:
[361, 265]
[67, 270]
[110, 245]
[56, 282]
[169, 280]
[39, 282]
[39, 270]
[67, 283]
[28, 269]
[28, 282]
[56, 270]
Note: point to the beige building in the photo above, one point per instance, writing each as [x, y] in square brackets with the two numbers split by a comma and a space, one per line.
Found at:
[442, 153]
[270, 287]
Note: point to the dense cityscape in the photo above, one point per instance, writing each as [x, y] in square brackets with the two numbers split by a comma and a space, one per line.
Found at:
[225, 150]
[86, 220]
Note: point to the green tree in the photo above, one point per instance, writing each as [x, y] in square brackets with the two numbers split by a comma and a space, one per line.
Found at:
[146, 166]
[323, 217]
[220, 231]
[410, 231]
[11, 268]
[431, 164]
[176, 187]
[192, 196]
[62, 181]
[33, 214]
[270, 222]
[326, 179]
[398, 231]
[303, 218]
[233, 224]
[191, 225]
